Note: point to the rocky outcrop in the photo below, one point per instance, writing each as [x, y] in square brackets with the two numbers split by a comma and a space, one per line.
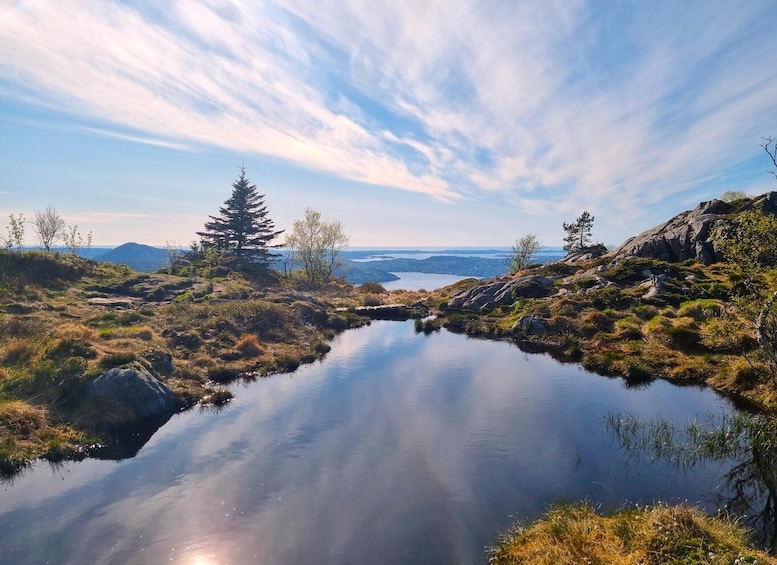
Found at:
[502, 293]
[133, 393]
[530, 324]
[656, 285]
[687, 235]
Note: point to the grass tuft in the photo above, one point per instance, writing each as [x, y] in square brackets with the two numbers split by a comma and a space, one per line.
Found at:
[572, 534]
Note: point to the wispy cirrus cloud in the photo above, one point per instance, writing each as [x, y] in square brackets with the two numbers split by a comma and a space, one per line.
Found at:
[555, 105]
[137, 138]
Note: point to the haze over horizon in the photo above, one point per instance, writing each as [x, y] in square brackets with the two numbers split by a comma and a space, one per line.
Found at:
[460, 123]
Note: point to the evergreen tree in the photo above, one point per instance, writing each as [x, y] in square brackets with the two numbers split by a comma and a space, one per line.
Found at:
[242, 228]
[579, 232]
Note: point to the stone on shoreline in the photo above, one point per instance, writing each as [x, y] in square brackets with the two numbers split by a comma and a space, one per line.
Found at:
[138, 394]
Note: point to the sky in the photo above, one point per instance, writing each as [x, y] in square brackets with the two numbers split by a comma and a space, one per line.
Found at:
[413, 123]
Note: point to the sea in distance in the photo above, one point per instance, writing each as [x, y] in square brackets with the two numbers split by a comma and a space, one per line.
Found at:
[409, 268]
[430, 268]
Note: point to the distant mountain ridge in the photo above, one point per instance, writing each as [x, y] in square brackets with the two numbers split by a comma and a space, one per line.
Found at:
[137, 256]
[147, 259]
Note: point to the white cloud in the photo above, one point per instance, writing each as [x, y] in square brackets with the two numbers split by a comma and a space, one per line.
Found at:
[137, 138]
[561, 105]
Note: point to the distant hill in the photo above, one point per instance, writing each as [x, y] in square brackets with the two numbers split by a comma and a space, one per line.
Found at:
[444, 264]
[137, 256]
[147, 259]
[358, 273]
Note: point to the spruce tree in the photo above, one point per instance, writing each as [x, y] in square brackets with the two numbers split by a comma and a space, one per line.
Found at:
[242, 229]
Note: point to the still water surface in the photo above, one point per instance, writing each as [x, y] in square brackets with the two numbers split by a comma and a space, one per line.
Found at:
[418, 281]
[397, 448]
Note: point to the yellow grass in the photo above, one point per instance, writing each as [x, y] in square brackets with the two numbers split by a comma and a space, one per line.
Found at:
[576, 534]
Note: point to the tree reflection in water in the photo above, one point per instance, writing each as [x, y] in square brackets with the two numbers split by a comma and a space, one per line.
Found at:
[749, 441]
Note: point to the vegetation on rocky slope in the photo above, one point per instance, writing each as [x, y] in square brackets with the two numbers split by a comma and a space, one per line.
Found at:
[693, 329]
[65, 320]
[571, 534]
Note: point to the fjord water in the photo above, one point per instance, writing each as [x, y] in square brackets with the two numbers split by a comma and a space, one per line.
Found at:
[418, 281]
[396, 448]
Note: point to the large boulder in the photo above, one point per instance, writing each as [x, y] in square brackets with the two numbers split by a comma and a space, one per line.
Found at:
[134, 393]
[687, 235]
[501, 293]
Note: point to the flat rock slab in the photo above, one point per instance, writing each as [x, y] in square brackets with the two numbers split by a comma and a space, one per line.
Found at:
[114, 302]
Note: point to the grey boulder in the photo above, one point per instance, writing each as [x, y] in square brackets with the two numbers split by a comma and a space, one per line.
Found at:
[135, 392]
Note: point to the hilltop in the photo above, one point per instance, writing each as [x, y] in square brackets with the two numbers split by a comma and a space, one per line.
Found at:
[137, 256]
[94, 357]
[635, 312]
[660, 306]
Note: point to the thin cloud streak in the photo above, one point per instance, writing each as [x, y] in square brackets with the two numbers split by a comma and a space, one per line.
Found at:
[446, 99]
[138, 139]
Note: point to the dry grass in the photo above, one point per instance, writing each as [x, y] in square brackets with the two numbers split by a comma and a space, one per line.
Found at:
[576, 534]
[248, 346]
[27, 432]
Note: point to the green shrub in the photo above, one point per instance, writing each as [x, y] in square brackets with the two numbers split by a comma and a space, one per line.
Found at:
[684, 337]
[223, 374]
[609, 297]
[637, 370]
[657, 324]
[372, 288]
[565, 307]
[128, 318]
[217, 397]
[601, 362]
[701, 309]
[18, 353]
[286, 364]
[556, 269]
[460, 321]
[726, 335]
[116, 360]
[644, 311]
[67, 347]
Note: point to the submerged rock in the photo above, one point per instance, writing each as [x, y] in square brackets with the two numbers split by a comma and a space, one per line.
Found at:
[136, 393]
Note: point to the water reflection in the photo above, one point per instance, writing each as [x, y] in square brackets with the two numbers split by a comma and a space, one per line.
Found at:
[398, 448]
[750, 440]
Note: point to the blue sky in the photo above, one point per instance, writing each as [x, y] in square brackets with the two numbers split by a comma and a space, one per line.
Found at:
[412, 122]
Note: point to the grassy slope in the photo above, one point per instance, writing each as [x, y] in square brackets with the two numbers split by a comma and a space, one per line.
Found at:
[695, 332]
[50, 334]
[54, 337]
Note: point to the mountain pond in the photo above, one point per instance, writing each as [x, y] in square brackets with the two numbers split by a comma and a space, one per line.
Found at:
[397, 447]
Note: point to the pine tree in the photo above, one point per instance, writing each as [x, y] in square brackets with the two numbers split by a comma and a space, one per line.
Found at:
[578, 232]
[242, 229]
